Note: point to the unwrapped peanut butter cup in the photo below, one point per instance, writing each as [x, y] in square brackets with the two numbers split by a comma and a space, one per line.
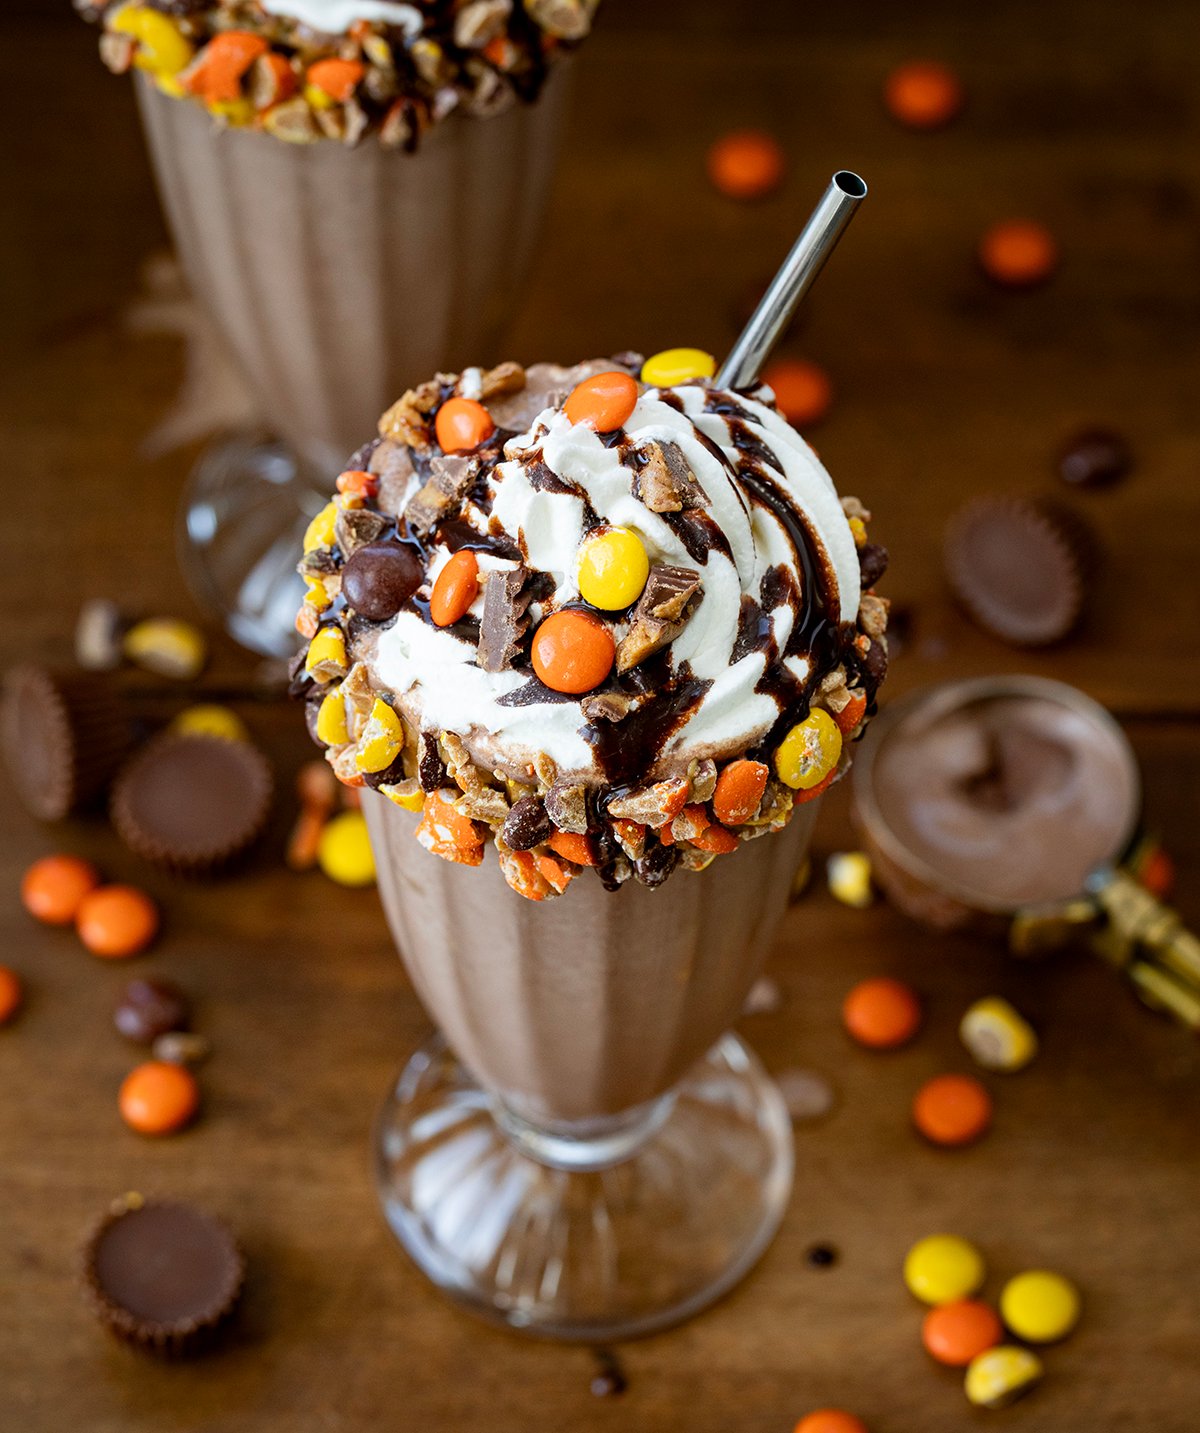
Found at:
[1016, 566]
[192, 804]
[64, 734]
[163, 1277]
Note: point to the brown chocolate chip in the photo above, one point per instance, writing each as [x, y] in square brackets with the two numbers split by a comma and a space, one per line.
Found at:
[665, 482]
[872, 563]
[504, 622]
[431, 769]
[656, 865]
[380, 578]
[150, 1008]
[528, 824]
[667, 601]
[1094, 458]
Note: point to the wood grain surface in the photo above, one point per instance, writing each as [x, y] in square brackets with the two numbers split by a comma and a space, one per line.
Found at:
[1085, 115]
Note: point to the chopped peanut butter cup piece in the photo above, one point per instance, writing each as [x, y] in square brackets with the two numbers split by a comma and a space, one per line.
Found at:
[667, 601]
[665, 482]
[505, 621]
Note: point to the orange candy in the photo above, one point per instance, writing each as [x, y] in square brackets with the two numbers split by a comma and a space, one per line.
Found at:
[158, 1098]
[831, 1420]
[356, 483]
[923, 94]
[739, 792]
[225, 59]
[117, 921]
[572, 846]
[747, 164]
[462, 424]
[956, 1333]
[881, 1013]
[1018, 253]
[803, 391]
[852, 713]
[338, 78]
[10, 994]
[717, 840]
[455, 589]
[603, 402]
[572, 652]
[448, 833]
[952, 1109]
[53, 888]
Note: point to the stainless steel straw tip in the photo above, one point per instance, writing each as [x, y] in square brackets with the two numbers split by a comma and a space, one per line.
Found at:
[852, 185]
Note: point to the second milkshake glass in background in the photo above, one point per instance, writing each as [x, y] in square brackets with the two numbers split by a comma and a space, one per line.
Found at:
[337, 277]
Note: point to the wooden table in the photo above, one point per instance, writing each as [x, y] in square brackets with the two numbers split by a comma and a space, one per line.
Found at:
[1082, 114]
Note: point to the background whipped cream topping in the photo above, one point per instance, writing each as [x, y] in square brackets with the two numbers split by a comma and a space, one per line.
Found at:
[432, 671]
[334, 17]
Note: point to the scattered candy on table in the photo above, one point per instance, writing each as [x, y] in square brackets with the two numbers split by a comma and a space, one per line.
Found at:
[53, 888]
[943, 1269]
[181, 1047]
[98, 636]
[603, 402]
[952, 1110]
[802, 390]
[167, 647]
[1094, 458]
[613, 568]
[881, 1013]
[957, 1332]
[572, 652]
[997, 1036]
[830, 1420]
[317, 788]
[746, 164]
[11, 993]
[677, 365]
[1040, 1306]
[117, 921]
[158, 1098]
[923, 94]
[1018, 253]
[848, 874]
[1001, 1375]
[344, 850]
[210, 719]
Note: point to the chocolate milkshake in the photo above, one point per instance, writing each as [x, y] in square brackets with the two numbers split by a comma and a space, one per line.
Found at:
[996, 795]
[598, 638]
[355, 189]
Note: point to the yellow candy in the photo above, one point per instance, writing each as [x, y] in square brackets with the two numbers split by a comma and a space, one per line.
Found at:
[344, 850]
[318, 98]
[849, 876]
[319, 532]
[1001, 1375]
[942, 1268]
[382, 739]
[331, 719]
[997, 1036]
[1039, 1306]
[677, 365]
[209, 719]
[809, 752]
[326, 655]
[167, 647]
[236, 113]
[410, 800]
[318, 594]
[613, 568]
[162, 49]
[859, 529]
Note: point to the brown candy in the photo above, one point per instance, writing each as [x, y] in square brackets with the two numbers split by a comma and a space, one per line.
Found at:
[528, 824]
[504, 622]
[1094, 458]
[665, 482]
[380, 578]
[150, 1008]
[661, 613]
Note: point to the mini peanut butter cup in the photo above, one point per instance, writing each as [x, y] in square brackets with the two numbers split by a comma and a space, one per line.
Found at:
[161, 1276]
[64, 734]
[192, 804]
[1017, 567]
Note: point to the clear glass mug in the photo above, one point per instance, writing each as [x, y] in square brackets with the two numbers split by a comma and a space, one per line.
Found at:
[337, 278]
[585, 1152]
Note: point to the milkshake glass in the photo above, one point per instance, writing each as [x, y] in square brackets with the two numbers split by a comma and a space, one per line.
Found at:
[334, 272]
[585, 1152]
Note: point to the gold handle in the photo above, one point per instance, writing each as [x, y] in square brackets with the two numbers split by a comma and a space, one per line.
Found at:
[1149, 942]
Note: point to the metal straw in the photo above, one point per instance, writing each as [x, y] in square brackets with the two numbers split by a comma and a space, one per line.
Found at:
[816, 242]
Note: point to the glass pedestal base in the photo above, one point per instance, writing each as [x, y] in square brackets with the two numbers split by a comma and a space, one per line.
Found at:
[537, 1234]
[240, 530]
